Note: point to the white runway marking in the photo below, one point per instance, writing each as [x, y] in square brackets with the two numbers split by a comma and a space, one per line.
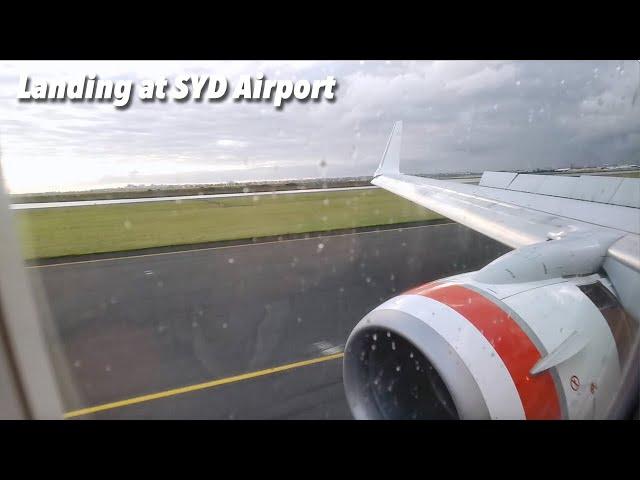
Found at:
[327, 348]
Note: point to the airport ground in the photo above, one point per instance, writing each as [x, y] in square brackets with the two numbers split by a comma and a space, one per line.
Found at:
[161, 222]
[71, 231]
[228, 307]
[197, 333]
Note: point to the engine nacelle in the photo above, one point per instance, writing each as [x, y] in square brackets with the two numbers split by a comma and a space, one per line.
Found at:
[461, 349]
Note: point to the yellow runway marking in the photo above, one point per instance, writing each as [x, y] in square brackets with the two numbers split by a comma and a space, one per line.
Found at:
[199, 386]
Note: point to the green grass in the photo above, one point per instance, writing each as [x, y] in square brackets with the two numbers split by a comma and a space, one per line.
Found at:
[59, 232]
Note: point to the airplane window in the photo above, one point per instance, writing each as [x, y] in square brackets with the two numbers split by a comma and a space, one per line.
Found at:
[327, 240]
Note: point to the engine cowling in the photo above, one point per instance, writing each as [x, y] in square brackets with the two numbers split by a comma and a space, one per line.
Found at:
[461, 349]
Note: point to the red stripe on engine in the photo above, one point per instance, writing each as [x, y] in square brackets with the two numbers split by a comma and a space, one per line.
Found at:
[537, 392]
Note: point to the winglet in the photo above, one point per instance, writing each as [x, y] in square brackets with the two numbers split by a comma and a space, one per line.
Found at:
[390, 163]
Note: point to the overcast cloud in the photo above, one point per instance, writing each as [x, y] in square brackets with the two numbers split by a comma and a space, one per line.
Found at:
[458, 116]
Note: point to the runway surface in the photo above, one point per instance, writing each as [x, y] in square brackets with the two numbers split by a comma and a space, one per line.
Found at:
[116, 201]
[193, 334]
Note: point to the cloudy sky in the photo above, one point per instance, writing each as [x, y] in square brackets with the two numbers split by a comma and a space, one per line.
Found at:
[458, 116]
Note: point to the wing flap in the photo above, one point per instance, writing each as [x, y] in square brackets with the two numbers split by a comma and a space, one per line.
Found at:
[623, 192]
[497, 179]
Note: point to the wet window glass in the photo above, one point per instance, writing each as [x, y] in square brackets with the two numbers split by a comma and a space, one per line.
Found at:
[421, 240]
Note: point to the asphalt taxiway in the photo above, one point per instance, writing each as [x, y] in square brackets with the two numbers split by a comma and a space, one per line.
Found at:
[249, 331]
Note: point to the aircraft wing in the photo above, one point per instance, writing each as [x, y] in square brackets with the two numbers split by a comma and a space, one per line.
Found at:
[522, 209]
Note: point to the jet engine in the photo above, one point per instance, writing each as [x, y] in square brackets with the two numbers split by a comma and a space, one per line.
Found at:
[491, 344]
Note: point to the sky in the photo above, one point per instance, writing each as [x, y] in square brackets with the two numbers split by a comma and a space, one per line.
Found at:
[458, 116]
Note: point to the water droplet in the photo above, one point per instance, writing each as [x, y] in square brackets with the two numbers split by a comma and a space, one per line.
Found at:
[231, 260]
